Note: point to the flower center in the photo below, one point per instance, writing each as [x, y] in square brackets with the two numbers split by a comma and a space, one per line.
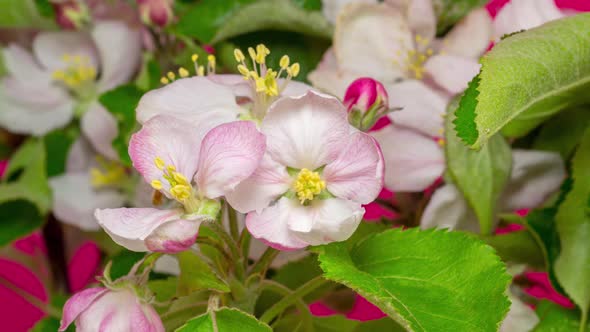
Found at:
[180, 188]
[108, 174]
[413, 61]
[78, 75]
[307, 185]
[263, 79]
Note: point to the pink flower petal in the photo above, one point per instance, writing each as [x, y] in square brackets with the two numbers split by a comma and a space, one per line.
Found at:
[452, 72]
[307, 131]
[50, 47]
[471, 36]
[130, 227]
[78, 303]
[357, 173]
[174, 141]
[100, 128]
[83, 265]
[229, 154]
[174, 236]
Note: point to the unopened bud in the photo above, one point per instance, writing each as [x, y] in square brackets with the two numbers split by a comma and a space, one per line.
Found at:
[71, 14]
[366, 101]
[156, 12]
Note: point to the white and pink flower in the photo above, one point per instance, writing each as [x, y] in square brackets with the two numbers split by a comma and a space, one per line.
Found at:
[62, 78]
[190, 165]
[103, 309]
[316, 174]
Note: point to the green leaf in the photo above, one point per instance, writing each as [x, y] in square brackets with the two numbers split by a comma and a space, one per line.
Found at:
[18, 218]
[197, 275]
[430, 280]
[572, 266]
[562, 132]
[480, 175]
[150, 73]
[123, 261]
[50, 324]
[23, 14]
[225, 320]
[57, 147]
[555, 318]
[337, 323]
[121, 103]
[465, 114]
[517, 247]
[449, 12]
[45, 8]
[309, 4]
[164, 289]
[212, 21]
[528, 77]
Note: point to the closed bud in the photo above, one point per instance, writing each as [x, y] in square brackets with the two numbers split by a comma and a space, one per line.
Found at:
[366, 101]
[71, 14]
[156, 12]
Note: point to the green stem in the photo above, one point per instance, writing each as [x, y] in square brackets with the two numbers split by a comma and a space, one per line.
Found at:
[290, 299]
[244, 243]
[281, 289]
[233, 222]
[231, 244]
[583, 320]
[214, 244]
[46, 308]
[264, 262]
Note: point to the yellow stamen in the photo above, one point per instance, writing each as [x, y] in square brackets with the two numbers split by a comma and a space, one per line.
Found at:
[294, 69]
[159, 162]
[156, 184]
[164, 80]
[171, 76]
[284, 63]
[195, 57]
[239, 55]
[201, 71]
[244, 71]
[183, 72]
[211, 63]
[109, 173]
[181, 192]
[307, 185]
[77, 73]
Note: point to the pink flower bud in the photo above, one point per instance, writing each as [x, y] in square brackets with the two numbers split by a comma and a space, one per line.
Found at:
[103, 309]
[157, 12]
[366, 101]
[71, 14]
[364, 93]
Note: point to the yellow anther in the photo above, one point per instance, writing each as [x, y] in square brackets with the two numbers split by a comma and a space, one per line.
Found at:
[156, 184]
[171, 168]
[284, 63]
[77, 72]
[181, 192]
[201, 71]
[109, 173]
[164, 80]
[182, 72]
[307, 185]
[211, 60]
[261, 52]
[429, 52]
[252, 53]
[171, 75]
[159, 162]
[244, 71]
[294, 69]
[180, 179]
[195, 57]
[239, 55]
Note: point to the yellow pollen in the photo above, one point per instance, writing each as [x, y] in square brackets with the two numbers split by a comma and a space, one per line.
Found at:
[159, 162]
[156, 184]
[294, 69]
[171, 168]
[244, 71]
[171, 75]
[239, 55]
[164, 80]
[181, 192]
[307, 185]
[180, 179]
[77, 72]
[195, 57]
[182, 72]
[211, 64]
[109, 173]
[252, 53]
[284, 63]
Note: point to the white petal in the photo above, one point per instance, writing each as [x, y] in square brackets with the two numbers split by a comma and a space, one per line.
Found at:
[271, 226]
[520, 318]
[74, 200]
[535, 176]
[269, 181]
[524, 14]
[412, 161]
[100, 127]
[33, 111]
[130, 227]
[307, 131]
[357, 173]
[448, 209]
[119, 48]
[229, 154]
[334, 220]
[50, 47]
[175, 236]
[80, 156]
[329, 78]
[332, 8]
[452, 72]
[423, 108]
[197, 100]
[471, 36]
[420, 15]
[176, 142]
[367, 39]
[22, 66]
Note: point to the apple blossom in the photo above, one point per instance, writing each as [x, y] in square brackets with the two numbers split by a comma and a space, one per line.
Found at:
[104, 309]
[419, 70]
[158, 12]
[63, 77]
[190, 165]
[315, 175]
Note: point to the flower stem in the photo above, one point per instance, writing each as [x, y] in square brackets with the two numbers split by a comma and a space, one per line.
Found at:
[233, 222]
[281, 289]
[264, 262]
[244, 243]
[290, 299]
[233, 248]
